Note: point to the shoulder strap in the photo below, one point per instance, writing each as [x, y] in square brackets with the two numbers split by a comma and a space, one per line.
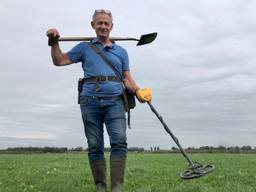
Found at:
[106, 61]
[97, 50]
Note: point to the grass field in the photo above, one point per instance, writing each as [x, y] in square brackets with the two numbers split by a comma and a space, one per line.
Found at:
[145, 173]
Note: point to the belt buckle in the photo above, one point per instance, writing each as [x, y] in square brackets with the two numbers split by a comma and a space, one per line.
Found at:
[103, 78]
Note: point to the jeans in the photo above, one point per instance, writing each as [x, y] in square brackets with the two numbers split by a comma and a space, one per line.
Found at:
[111, 112]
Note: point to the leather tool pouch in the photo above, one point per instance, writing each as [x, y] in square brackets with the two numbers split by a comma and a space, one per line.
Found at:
[80, 88]
[130, 99]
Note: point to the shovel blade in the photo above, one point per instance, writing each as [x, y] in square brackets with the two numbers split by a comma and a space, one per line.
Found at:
[147, 38]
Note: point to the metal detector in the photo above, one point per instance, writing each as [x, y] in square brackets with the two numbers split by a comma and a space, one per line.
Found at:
[144, 39]
[194, 169]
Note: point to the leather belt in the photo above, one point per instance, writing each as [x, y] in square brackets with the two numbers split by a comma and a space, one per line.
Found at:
[107, 97]
[101, 78]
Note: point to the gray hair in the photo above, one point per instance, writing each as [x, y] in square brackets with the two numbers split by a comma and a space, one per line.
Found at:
[102, 11]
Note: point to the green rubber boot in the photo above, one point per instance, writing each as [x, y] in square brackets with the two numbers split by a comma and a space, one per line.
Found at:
[117, 170]
[98, 168]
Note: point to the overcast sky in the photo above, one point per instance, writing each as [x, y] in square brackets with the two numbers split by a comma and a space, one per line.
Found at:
[201, 67]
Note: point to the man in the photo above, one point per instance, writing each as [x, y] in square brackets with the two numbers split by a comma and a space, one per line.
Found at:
[100, 99]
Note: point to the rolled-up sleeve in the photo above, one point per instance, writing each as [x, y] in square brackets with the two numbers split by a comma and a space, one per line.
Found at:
[76, 53]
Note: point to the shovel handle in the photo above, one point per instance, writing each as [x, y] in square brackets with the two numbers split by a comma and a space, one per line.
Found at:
[75, 38]
[91, 38]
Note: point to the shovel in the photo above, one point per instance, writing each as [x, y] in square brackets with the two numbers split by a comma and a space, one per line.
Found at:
[144, 39]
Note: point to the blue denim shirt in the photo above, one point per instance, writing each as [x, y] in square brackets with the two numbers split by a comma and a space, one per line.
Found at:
[93, 65]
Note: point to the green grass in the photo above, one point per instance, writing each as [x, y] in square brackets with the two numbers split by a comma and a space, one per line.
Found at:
[144, 173]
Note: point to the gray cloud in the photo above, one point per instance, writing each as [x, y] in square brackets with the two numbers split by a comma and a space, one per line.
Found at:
[201, 68]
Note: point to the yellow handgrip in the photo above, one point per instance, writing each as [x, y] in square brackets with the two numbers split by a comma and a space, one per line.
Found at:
[144, 95]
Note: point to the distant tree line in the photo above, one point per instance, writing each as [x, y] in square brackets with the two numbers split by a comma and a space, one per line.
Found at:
[223, 149]
[219, 149]
[35, 150]
[155, 149]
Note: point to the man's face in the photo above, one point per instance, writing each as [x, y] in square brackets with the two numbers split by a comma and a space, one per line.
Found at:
[102, 24]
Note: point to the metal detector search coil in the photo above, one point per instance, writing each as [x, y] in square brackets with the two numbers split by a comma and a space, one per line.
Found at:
[197, 170]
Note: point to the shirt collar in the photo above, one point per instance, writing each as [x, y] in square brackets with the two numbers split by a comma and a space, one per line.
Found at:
[96, 41]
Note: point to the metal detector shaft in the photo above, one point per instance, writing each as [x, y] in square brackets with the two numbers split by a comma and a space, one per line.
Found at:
[170, 133]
